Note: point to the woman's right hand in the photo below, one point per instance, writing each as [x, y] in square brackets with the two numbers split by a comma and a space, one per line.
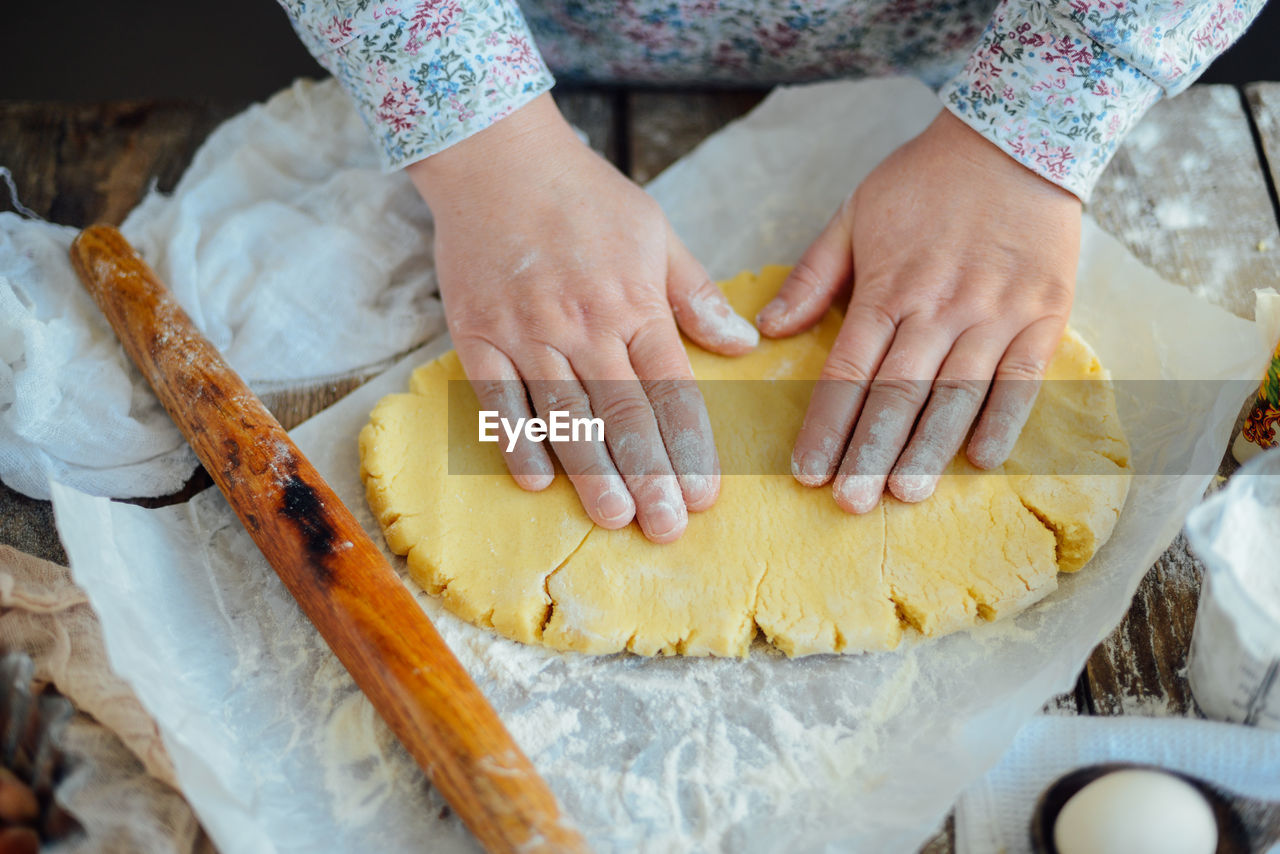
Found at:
[560, 278]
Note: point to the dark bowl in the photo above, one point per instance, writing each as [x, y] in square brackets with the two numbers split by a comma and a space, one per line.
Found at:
[1233, 837]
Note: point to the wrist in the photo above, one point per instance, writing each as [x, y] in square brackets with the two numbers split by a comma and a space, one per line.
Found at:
[1048, 95]
[952, 134]
[520, 145]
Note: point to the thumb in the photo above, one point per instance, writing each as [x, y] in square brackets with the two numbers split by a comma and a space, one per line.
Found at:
[823, 271]
[701, 309]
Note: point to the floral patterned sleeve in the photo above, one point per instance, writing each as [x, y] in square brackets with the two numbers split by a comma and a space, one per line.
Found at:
[1058, 83]
[424, 74]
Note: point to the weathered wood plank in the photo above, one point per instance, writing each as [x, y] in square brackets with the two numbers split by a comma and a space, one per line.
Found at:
[1220, 223]
[594, 113]
[1141, 668]
[81, 164]
[1264, 108]
[292, 406]
[665, 125]
[1187, 194]
[1070, 703]
[27, 525]
[944, 840]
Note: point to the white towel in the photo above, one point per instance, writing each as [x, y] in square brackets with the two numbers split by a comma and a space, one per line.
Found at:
[287, 246]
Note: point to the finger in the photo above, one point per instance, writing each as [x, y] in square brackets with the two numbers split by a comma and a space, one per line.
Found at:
[954, 403]
[897, 394]
[823, 273]
[839, 393]
[701, 309]
[1013, 393]
[664, 371]
[602, 490]
[631, 432]
[498, 387]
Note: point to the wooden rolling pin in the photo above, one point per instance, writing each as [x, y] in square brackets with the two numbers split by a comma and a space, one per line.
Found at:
[330, 565]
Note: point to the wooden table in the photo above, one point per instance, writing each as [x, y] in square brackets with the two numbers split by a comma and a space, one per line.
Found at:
[1192, 193]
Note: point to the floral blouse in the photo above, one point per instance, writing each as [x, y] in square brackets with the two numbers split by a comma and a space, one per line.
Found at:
[1056, 84]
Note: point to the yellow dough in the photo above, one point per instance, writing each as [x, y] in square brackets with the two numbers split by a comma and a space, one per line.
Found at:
[771, 554]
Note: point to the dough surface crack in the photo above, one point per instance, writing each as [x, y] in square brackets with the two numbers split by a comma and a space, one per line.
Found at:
[546, 585]
[1049, 526]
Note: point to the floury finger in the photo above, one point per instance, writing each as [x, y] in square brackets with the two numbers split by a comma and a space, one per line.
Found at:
[499, 389]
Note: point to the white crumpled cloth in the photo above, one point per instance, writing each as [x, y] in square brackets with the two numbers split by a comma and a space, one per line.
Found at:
[287, 246]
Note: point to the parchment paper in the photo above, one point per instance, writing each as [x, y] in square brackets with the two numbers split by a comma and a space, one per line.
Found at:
[277, 751]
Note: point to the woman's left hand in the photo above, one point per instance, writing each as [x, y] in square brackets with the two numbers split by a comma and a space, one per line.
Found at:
[960, 265]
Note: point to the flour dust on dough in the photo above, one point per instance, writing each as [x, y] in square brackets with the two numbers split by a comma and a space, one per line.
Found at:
[772, 555]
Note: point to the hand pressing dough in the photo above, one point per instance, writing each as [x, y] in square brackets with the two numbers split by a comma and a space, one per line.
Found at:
[771, 554]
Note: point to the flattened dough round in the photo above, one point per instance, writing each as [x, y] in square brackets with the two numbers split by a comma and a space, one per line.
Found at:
[771, 554]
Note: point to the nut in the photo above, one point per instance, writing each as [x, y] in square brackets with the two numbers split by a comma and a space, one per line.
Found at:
[19, 840]
[18, 804]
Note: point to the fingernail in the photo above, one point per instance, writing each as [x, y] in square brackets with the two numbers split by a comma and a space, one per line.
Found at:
[810, 469]
[860, 492]
[662, 519]
[538, 481]
[613, 506]
[988, 455]
[771, 312]
[737, 328]
[912, 487]
[992, 452]
[723, 323]
[695, 486]
[534, 473]
[539, 469]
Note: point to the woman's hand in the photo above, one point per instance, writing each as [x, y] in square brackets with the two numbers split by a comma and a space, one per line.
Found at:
[961, 267]
[559, 278]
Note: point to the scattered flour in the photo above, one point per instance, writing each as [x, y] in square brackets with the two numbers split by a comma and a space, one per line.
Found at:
[530, 258]
[1179, 213]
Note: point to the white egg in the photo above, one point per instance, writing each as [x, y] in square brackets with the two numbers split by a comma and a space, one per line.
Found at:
[1136, 812]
